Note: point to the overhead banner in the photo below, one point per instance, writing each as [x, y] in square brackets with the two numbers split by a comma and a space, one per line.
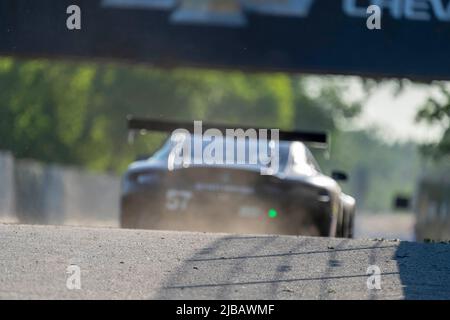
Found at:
[306, 36]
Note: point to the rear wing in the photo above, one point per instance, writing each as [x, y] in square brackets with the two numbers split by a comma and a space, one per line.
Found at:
[314, 139]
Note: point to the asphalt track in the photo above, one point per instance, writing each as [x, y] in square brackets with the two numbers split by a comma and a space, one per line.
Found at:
[138, 264]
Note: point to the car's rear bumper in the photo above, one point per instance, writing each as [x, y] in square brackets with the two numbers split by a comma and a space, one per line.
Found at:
[222, 211]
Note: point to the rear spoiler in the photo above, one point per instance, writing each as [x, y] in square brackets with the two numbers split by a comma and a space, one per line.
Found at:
[315, 139]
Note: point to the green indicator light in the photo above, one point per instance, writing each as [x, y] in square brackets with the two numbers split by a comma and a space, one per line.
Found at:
[272, 213]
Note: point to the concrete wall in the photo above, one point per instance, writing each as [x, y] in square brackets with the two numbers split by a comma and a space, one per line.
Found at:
[89, 199]
[51, 194]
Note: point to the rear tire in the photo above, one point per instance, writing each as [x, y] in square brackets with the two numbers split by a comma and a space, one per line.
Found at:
[129, 214]
[347, 225]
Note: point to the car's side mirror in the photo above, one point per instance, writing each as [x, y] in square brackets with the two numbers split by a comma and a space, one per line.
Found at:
[339, 175]
[402, 202]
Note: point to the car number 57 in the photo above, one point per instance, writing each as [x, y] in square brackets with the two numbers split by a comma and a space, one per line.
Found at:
[177, 200]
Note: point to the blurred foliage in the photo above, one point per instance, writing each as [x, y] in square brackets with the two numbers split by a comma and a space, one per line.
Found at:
[437, 112]
[74, 113]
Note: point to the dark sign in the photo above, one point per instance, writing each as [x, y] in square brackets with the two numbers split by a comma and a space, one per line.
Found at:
[313, 36]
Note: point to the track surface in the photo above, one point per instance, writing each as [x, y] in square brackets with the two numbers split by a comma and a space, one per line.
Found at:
[130, 264]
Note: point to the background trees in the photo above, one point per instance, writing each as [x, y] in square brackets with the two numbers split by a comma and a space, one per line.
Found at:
[437, 112]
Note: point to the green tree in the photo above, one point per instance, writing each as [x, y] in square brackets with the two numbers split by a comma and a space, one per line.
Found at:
[74, 113]
[437, 112]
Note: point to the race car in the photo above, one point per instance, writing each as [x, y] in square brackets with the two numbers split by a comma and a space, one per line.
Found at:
[234, 197]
